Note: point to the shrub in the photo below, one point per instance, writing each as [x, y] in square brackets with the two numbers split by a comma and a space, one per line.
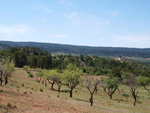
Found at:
[138, 101]
[8, 105]
[30, 75]
[125, 95]
[41, 90]
[22, 85]
[66, 91]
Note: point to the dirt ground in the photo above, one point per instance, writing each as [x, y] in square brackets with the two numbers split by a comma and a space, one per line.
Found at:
[23, 95]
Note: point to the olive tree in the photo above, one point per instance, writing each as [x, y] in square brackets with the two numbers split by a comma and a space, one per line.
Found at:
[72, 77]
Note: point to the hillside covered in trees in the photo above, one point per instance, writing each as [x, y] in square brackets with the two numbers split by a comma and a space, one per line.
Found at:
[85, 50]
[35, 57]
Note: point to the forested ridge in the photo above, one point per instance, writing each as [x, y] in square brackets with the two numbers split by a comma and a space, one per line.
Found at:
[85, 50]
[35, 57]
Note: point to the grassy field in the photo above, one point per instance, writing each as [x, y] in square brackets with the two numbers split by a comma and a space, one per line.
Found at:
[23, 95]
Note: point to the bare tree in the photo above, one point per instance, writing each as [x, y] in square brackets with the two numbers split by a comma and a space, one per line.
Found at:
[103, 83]
[132, 83]
[91, 85]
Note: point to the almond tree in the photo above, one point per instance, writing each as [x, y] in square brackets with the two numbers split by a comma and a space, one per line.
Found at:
[91, 85]
[6, 69]
[112, 85]
[144, 81]
[103, 83]
[132, 83]
[59, 81]
[27, 69]
[72, 77]
[50, 76]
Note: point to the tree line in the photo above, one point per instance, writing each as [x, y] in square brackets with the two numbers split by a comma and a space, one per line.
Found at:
[85, 50]
[73, 76]
[37, 58]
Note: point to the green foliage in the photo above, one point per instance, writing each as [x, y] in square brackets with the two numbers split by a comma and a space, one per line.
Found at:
[142, 80]
[30, 75]
[112, 83]
[72, 75]
[20, 58]
[9, 105]
[50, 75]
[58, 48]
[22, 85]
[27, 68]
[125, 95]
[41, 90]
[116, 72]
[66, 91]
[6, 69]
[138, 101]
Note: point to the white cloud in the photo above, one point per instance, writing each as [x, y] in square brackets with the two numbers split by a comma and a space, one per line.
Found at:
[66, 2]
[74, 17]
[87, 22]
[44, 20]
[114, 13]
[137, 40]
[10, 31]
[60, 36]
[42, 8]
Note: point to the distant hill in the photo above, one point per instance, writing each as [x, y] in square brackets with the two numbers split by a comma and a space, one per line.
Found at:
[85, 50]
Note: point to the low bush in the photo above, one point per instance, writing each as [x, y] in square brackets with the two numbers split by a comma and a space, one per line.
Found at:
[30, 75]
[8, 105]
[41, 90]
[66, 91]
[125, 95]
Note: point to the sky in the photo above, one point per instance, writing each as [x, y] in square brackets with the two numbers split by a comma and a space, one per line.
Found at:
[109, 23]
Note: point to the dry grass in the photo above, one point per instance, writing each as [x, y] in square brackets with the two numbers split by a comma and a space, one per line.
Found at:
[29, 99]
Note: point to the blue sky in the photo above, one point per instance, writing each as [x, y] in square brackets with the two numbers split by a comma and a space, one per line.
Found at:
[111, 23]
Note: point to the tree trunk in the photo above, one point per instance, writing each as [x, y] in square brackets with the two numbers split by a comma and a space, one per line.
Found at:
[52, 85]
[6, 81]
[58, 89]
[45, 84]
[96, 90]
[42, 81]
[1, 81]
[110, 96]
[71, 92]
[91, 100]
[134, 101]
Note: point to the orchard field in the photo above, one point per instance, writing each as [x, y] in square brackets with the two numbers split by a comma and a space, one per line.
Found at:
[24, 94]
